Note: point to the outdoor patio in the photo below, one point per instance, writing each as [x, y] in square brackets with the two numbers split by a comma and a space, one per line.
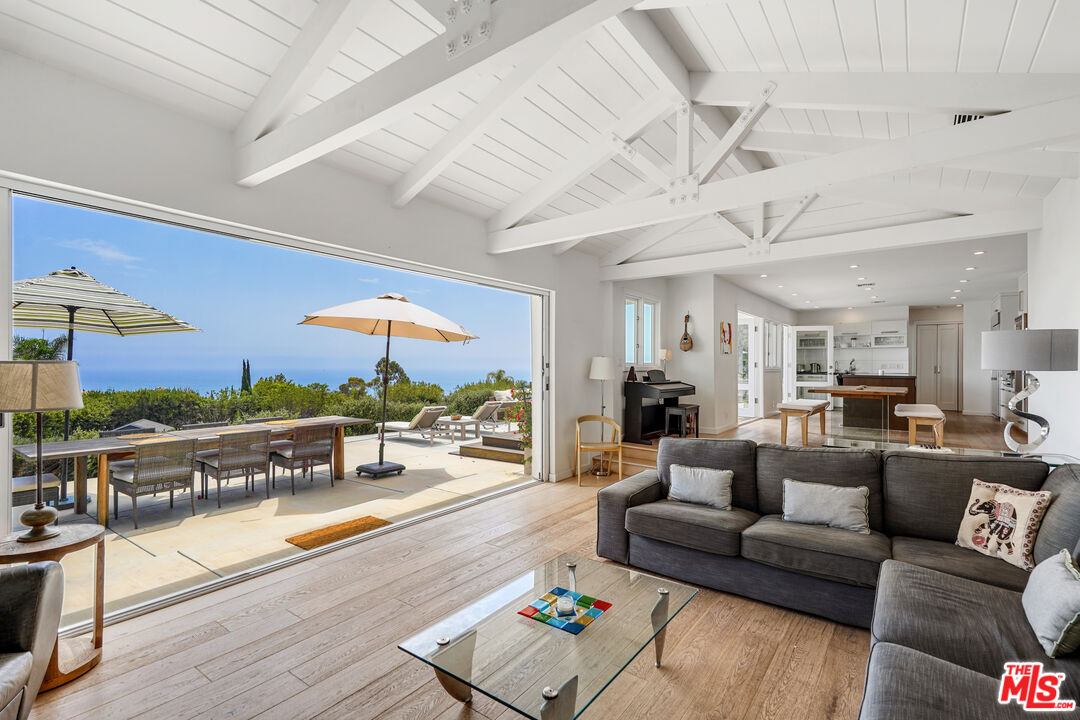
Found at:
[171, 550]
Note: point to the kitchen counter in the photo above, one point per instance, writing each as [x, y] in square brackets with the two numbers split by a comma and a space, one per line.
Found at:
[866, 413]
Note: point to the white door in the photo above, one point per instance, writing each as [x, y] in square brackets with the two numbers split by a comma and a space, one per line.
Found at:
[926, 357]
[789, 362]
[948, 366]
[749, 370]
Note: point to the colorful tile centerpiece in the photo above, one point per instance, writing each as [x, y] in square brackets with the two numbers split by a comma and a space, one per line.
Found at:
[586, 609]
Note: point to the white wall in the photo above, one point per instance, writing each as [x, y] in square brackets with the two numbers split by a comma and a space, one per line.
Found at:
[976, 388]
[1054, 302]
[692, 294]
[62, 129]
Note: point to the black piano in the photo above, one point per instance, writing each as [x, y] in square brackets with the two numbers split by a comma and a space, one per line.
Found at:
[644, 401]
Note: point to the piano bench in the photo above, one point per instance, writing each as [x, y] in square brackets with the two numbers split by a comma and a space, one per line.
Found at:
[682, 412]
[801, 409]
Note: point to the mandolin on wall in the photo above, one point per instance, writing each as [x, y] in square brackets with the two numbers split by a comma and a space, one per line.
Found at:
[686, 342]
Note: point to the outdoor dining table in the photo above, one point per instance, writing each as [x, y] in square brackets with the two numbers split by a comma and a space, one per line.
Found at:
[108, 449]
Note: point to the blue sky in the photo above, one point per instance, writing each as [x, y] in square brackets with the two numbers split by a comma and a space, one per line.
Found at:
[247, 299]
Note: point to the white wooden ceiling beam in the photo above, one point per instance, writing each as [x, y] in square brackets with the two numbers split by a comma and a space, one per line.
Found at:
[925, 197]
[684, 139]
[319, 41]
[791, 216]
[740, 160]
[519, 29]
[644, 241]
[800, 143]
[759, 222]
[730, 229]
[1035, 126]
[930, 92]
[648, 168]
[474, 124]
[733, 138]
[667, 4]
[931, 232]
[591, 157]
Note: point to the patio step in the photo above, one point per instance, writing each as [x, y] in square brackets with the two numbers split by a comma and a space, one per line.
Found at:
[509, 441]
[492, 452]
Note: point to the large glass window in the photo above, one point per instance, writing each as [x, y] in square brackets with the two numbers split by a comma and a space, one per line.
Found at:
[773, 345]
[641, 317]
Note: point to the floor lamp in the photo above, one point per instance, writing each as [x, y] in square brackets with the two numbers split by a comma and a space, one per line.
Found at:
[39, 387]
[1029, 350]
[602, 368]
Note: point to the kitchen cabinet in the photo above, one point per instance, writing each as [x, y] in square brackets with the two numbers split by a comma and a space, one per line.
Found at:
[889, 327]
[937, 365]
[813, 357]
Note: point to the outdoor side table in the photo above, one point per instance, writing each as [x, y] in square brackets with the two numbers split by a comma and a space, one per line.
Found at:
[71, 657]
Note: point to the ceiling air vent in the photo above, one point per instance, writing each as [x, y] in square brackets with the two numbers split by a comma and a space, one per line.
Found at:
[865, 285]
[876, 302]
[957, 119]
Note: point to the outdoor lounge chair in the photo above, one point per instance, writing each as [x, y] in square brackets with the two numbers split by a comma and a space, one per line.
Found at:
[239, 454]
[425, 424]
[311, 445]
[158, 466]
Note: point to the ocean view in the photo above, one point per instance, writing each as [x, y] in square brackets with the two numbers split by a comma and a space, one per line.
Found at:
[204, 380]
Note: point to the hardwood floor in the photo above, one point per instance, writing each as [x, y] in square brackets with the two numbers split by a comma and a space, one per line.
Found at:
[318, 639]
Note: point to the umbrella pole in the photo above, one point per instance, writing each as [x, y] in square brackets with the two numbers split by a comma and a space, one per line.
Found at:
[385, 388]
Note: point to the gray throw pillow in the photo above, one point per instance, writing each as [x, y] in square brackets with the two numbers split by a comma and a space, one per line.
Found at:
[701, 486]
[847, 508]
[1052, 604]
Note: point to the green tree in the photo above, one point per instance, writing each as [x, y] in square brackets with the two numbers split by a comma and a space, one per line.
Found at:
[396, 372]
[499, 378]
[245, 377]
[354, 387]
[24, 348]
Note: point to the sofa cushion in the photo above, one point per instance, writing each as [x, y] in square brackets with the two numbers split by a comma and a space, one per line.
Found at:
[14, 673]
[1061, 524]
[735, 455]
[831, 505]
[701, 485]
[1052, 604]
[948, 558]
[694, 526]
[961, 621]
[926, 494]
[905, 684]
[834, 466]
[816, 550]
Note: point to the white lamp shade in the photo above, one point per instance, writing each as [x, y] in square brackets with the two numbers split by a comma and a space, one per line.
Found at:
[1029, 350]
[39, 386]
[602, 368]
[665, 354]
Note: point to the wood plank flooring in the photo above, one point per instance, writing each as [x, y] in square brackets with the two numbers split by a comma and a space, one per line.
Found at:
[318, 639]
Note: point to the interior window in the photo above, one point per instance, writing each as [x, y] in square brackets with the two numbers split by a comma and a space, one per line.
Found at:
[642, 331]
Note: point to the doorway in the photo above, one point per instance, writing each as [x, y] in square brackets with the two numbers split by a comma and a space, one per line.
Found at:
[748, 351]
[937, 364]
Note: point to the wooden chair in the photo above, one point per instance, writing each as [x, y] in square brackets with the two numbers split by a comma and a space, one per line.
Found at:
[158, 466]
[802, 409]
[239, 454]
[615, 445]
[923, 414]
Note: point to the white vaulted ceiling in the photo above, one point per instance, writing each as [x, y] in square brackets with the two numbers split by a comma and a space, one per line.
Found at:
[543, 150]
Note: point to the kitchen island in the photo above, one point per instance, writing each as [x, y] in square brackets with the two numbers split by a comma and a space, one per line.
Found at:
[865, 413]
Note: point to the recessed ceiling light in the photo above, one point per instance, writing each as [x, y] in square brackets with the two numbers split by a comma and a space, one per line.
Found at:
[970, 267]
[764, 275]
[979, 252]
[953, 297]
[806, 301]
[817, 307]
[956, 291]
[794, 294]
[959, 305]
[873, 297]
[779, 286]
[853, 267]
[851, 308]
[859, 279]
[963, 281]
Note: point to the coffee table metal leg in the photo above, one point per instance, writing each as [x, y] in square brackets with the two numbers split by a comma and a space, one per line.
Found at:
[560, 704]
[659, 620]
[458, 655]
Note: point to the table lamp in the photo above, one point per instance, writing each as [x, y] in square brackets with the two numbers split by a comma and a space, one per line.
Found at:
[664, 355]
[1029, 350]
[39, 387]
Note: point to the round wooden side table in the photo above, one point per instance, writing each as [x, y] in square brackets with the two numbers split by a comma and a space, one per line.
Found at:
[71, 657]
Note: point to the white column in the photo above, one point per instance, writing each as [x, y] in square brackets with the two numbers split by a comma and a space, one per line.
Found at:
[5, 354]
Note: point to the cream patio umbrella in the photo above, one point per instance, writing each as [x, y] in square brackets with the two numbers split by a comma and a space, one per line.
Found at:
[71, 300]
[391, 315]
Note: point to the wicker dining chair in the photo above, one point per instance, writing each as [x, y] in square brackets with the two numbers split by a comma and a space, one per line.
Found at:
[239, 454]
[158, 466]
[312, 445]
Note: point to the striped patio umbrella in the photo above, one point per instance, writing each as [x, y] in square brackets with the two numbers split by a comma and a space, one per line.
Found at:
[73, 300]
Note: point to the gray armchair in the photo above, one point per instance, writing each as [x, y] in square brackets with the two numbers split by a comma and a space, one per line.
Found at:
[31, 597]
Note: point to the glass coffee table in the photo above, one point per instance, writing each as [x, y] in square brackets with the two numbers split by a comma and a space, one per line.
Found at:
[540, 670]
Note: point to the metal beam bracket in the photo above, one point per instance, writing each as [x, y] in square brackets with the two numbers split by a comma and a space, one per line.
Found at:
[682, 190]
[468, 23]
[758, 246]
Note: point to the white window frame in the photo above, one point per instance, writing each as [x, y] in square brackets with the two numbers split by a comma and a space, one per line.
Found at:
[774, 345]
[639, 302]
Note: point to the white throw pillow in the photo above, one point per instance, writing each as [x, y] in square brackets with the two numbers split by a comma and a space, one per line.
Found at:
[701, 486]
[1052, 604]
[504, 395]
[809, 503]
[1002, 522]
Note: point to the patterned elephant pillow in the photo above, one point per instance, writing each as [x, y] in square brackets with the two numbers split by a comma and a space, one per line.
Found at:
[1001, 521]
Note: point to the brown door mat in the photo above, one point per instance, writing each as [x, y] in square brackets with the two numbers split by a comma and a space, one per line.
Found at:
[324, 536]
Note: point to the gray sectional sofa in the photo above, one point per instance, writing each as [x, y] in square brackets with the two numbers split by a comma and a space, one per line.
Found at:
[943, 619]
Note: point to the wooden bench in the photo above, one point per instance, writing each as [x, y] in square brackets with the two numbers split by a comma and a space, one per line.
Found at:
[923, 414]
[24, 489]
[801, 409]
